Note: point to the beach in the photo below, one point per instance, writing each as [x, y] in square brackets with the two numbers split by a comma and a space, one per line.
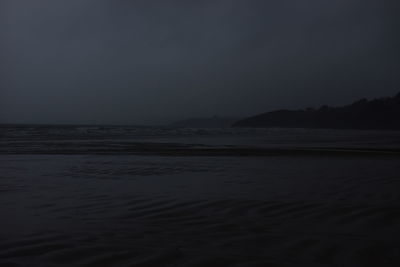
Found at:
[207, 209]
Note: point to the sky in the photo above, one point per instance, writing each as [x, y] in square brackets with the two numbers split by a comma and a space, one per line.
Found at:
[156, 61]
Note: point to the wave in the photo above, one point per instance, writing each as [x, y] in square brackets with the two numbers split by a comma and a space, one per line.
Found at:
[178, 149]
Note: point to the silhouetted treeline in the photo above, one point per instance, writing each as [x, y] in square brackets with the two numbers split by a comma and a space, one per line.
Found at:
[382, 113]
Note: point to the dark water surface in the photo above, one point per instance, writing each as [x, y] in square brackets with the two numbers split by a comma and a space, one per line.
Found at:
[73, 139]
[126, 196]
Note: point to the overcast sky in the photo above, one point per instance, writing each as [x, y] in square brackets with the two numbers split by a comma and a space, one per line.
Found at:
[145, 62]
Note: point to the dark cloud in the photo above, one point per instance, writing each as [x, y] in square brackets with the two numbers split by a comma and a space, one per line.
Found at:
[125, 61]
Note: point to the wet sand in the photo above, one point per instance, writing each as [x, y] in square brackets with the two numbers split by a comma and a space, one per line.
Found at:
[213, 210]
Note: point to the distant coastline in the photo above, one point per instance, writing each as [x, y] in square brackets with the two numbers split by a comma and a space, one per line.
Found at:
[376, 114]
[211, 122]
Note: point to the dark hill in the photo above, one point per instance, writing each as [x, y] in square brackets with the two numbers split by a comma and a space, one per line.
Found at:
[382, 113]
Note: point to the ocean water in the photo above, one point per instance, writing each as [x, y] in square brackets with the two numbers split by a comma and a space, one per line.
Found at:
[152, 196]
[130, 139]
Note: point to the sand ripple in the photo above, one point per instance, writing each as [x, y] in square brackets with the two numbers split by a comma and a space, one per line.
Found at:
[229, 215]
